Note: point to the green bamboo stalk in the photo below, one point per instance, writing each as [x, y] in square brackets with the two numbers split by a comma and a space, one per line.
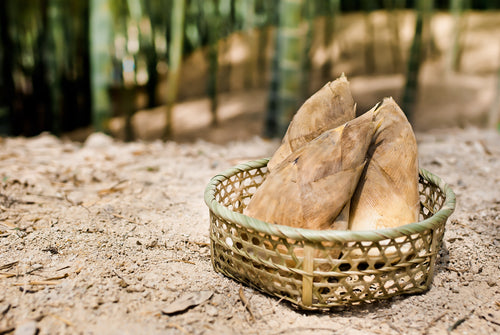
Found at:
[271, 119]
[174, 61]
[369, 36]
[100, 27]
[457, 8]
[265, 10]
[127, 94]
[307, 69]
[151, 56]
[77, 108]
[226, 11]
[262, 64]
[212, 82]
[54, 59]
[428, 41]
[6, 66]
[41, 90]
[413, 66]
[135, 10]
[125, 13]
[194, 23]
[494, 113]
[249, 31]
[290, 51]
[329, 32]
[392, 7]
[213, 17]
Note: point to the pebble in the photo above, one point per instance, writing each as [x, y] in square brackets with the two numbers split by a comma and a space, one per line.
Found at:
[98, 140]
[27, 328]
[211, 310]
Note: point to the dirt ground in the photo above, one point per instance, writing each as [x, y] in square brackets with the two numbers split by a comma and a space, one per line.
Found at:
[106, 237]
[103, 237]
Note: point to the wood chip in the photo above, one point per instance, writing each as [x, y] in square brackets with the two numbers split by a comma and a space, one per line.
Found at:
[460, 321]
[119, 216]
[7, 274]
[38, 282]
[201, 244]
[63, 268]
[115, 188]
[181, 261]
[433, 322]
[485, 147]
[8, 265]
[57, 277]
[245, 302]
[36, 267]
[187, 301]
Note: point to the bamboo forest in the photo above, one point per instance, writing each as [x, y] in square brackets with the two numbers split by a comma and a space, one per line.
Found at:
[66, 65]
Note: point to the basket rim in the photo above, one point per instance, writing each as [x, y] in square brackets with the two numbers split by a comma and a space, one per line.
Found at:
[314, 236]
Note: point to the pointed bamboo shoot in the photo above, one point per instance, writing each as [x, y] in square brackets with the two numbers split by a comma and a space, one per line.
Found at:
[328, 108]
[387, 194]
[314, 184]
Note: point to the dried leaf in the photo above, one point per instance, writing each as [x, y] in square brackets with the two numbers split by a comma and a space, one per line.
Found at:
[186, 301]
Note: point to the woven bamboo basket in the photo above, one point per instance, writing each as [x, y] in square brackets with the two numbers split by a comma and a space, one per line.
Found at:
[318, 269]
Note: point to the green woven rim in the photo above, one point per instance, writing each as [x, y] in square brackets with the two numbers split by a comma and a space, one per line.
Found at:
[309, 235]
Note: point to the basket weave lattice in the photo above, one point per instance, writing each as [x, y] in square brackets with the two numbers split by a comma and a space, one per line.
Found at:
[317, 269]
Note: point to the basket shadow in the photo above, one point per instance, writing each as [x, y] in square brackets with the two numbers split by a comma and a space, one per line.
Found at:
[443, 259]
[359, 310]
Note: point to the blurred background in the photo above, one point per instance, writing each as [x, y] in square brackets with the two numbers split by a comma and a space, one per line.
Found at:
[225, 70]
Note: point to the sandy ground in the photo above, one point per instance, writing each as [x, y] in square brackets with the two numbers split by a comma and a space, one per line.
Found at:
[107, 237]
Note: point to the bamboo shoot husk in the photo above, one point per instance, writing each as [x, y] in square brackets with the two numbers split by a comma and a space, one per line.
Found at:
[315, 183]
[328, 108]
[387, 193]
